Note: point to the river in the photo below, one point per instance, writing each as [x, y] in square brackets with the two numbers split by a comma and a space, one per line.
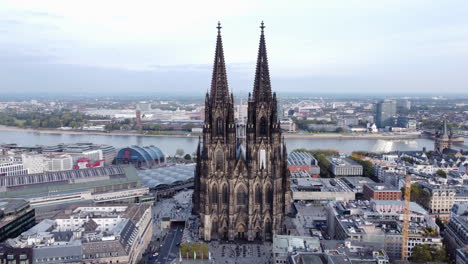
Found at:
[169, 144]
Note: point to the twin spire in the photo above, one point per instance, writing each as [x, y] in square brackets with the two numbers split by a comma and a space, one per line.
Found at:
[262, 84]
[219, 85]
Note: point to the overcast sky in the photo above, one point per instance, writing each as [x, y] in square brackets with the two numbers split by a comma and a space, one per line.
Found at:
[365, 46]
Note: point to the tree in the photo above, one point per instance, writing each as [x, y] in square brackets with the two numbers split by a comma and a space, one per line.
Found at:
[187, 157]
[441, 173]
[180, 152]
[428, 253]
[418, 195]
[324, 165]
[367, 166]
[315, 152]
[339, 130]
[408, 160]
[421, 253]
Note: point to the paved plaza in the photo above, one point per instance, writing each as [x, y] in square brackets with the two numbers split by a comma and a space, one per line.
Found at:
[178, 208]
[240, 253]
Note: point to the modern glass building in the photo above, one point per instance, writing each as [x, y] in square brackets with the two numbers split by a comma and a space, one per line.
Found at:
[141, 156]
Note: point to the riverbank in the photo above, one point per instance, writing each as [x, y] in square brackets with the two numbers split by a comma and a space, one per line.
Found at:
[187, 134]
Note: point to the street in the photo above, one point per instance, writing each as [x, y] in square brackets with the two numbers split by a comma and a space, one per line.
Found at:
[170, 247]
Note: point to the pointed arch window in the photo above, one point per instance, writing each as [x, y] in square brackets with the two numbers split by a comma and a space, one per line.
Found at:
[269, 196]
[225, 194]
[214, 195]
[241, 196]
[219, 160]
[258, 195]
[263, 126]
[219, 126]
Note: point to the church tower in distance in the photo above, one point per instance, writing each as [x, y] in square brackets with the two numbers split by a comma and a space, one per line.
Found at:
[241, 192]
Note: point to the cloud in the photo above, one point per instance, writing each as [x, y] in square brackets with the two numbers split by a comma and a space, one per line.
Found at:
[338, 45]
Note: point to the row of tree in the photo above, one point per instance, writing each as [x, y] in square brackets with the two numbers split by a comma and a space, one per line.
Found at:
[53, 119]
[325, 166]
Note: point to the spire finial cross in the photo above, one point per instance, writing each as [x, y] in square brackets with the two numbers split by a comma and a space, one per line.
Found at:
[262, 26]
[219, 27]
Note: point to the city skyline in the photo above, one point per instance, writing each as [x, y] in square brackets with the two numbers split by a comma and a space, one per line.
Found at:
[410, 47]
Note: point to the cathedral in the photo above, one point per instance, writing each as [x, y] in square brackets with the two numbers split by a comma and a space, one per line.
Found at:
[241, 186]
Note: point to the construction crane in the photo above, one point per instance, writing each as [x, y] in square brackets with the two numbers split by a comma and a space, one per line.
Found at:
[406, 216]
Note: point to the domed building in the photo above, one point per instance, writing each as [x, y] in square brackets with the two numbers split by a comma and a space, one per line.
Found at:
[141, 157]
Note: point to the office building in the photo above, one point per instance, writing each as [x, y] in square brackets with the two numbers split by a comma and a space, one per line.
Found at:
[456, 231]
[16, 216]
[344, 166]
[320, 190]
[442, 199]
[381, 191]
[385, 113]
[12, 169]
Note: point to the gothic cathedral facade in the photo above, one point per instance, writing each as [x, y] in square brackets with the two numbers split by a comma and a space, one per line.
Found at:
[242, 190]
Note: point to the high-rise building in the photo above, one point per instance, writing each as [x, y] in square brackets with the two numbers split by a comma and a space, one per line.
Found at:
[385, 112]
[241, 191]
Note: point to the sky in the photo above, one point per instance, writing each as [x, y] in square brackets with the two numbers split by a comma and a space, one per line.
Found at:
[348, 46]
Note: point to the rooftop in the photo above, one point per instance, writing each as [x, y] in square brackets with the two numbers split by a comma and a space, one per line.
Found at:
[318, 185]
[342, 162]
[79, 225]
[382, 187]
[166, 175]
[285, 243]
[40, 184]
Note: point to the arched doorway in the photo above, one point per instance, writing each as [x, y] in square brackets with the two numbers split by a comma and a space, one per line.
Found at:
[241, 231]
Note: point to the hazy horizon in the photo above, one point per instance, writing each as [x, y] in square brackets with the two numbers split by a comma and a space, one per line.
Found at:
[352, 47]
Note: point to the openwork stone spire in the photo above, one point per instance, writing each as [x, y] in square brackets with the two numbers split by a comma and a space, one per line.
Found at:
[262, 85]
[219, 84]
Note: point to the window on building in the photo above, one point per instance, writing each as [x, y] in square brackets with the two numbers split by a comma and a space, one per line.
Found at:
[258, 195]
[214, 195]
[263, 126]
[219, 126]
[225, 194]
[241, 196]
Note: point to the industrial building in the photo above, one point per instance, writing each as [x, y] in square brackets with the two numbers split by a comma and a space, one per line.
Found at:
[101, 184]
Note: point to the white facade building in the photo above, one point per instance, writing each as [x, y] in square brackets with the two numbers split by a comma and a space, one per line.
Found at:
[12, 169]
[34, 163]
[58, 163]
